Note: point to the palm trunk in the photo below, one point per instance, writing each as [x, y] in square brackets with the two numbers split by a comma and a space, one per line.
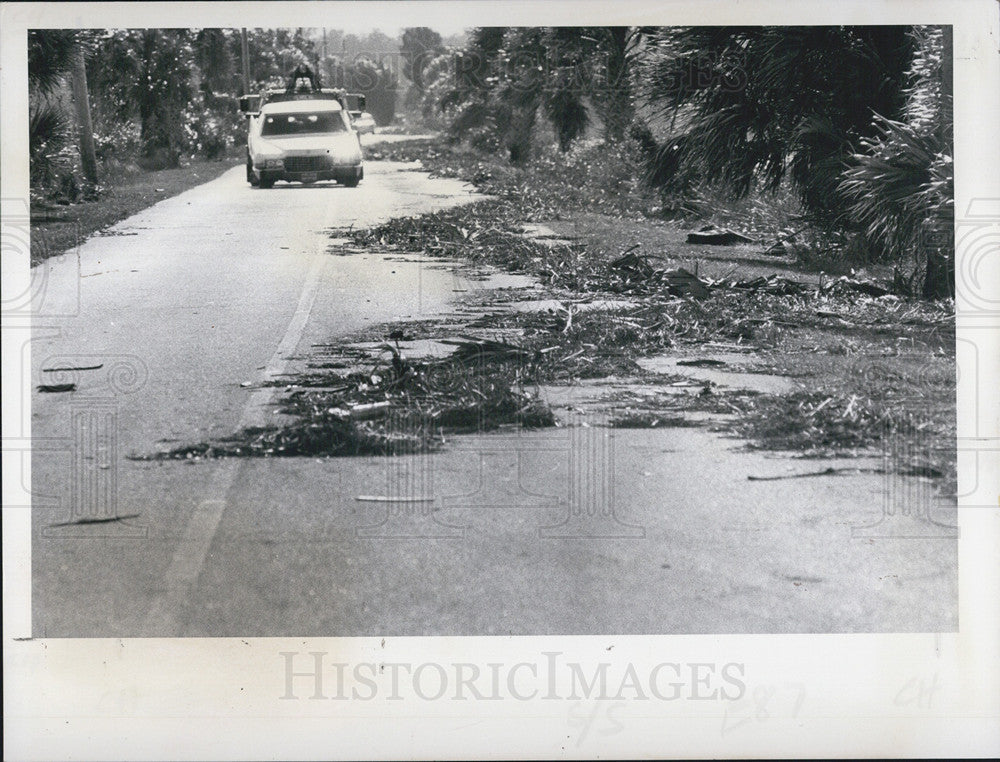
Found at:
[618, 105]
[939, 273]
[81, 101]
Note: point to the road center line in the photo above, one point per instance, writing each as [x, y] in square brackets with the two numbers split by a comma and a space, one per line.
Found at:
[163, 620]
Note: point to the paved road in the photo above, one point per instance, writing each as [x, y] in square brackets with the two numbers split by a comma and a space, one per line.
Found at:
[190, 304]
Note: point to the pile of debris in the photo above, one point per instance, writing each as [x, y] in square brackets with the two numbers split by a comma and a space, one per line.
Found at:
[633, 273]
[394, 407]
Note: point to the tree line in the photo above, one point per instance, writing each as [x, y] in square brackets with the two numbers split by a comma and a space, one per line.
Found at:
[158, 94]
[856, 120]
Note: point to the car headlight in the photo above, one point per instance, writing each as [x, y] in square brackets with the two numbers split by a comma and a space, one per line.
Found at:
[346, 155]
[274, 164]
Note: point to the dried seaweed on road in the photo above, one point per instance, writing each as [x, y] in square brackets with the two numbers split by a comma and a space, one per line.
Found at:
[83, 520]
[73, 369]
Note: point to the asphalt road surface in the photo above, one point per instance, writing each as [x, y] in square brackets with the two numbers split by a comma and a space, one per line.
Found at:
[180, 313]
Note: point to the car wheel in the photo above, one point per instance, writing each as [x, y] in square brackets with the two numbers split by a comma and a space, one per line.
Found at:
[351, 181]
[251, 177]
[266, 182]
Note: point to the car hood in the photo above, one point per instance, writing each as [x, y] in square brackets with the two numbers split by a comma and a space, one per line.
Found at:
[294, 145]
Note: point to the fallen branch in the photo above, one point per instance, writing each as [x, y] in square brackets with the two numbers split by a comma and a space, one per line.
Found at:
[825, 472]
[88, 520]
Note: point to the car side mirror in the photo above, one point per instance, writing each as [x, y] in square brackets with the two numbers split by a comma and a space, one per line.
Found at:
[250, 104]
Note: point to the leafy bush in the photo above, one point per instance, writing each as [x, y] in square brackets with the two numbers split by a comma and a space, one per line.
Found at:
[116, 141]
[743, 107]
[212, 130]
[900, 184]
[48, 134]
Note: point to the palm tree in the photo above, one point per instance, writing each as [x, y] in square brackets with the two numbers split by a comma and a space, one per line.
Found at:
[52, 54]
[505, 77]
[147, 73]
[755, 104]
[900, 185]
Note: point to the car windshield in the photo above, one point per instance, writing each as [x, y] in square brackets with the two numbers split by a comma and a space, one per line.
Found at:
[303, 122]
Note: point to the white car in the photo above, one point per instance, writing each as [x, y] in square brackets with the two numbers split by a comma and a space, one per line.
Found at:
[303, 141]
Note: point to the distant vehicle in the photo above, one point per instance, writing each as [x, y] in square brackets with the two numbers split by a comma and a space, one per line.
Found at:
[303, 133]
[363, 122]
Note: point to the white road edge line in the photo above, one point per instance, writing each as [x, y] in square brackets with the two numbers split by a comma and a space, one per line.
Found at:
[163, 618]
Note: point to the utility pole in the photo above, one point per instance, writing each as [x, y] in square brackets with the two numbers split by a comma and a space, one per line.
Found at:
[81, 100]
[245, 56]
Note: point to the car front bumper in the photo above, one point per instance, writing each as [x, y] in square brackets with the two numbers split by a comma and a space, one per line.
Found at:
[338, 172]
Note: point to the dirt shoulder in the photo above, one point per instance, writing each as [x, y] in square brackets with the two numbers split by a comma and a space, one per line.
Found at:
[58, 228]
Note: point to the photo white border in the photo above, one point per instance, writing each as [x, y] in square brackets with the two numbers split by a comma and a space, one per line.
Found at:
[864, 695]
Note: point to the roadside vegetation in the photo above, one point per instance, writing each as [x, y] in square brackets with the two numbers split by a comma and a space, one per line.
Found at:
[854, 123]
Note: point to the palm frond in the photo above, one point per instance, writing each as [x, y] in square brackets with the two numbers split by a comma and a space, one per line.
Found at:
[50, 56]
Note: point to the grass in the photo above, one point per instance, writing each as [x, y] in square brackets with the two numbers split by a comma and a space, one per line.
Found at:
[57, 228]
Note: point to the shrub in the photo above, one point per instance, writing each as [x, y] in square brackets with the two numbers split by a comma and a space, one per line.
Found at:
[48, 134]
[901, 184]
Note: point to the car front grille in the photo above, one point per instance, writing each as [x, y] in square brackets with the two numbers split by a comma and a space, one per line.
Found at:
[307, 163]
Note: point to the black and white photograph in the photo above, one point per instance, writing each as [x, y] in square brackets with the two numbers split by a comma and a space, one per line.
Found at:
[650, 353]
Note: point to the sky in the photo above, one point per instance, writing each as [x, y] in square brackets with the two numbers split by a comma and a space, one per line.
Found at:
[394, 30]
[362, 18]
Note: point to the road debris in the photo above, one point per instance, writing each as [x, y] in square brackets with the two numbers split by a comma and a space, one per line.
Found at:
[651, 420]
[369, 411]
[72, 369]
[717, 236]
[703, 362]
[56, 388]
[831, 471]
[94, 520]
[389, 404]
